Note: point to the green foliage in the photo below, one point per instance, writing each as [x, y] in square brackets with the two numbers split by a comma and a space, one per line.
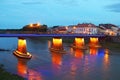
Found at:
[55, 27]
[41, 28]
[8, 76]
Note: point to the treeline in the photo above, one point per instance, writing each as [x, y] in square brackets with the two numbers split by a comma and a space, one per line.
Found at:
[27, 29]
[41, 28]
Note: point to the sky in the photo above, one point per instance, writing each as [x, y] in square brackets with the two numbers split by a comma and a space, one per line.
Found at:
[14, 14]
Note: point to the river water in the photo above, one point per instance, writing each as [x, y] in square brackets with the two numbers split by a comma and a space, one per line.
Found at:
[91, 64]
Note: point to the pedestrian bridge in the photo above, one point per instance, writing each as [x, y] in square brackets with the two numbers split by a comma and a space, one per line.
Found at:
[52, 35]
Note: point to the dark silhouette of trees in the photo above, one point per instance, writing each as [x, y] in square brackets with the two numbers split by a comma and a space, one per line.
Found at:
[35, 28]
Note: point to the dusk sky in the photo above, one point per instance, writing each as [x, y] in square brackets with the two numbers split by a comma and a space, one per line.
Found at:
[17, 13]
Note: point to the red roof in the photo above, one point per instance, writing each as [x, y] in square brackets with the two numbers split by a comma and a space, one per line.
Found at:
[62, 29]
[86, 25]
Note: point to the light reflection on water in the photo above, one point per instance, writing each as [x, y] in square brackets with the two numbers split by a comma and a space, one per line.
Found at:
[93, 51]
[24, 71]
[93, 64]
[22, 67]
[78, 53]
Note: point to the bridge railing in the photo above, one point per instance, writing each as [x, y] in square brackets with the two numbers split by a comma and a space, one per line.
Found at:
[51, 35]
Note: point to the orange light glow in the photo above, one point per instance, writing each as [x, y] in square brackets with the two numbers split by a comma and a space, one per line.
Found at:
[22, 67]
[106, 51]
[31, 25]
[78, 53]
[56, 58]
[66, 27]
[94, 40]
[22, 46]
[73, 70]
[106, 62]
[49, 44]
[79, 42]
[57, 43]
[34, 75]
[25, 72]
[106, 56]
[74, 27]
[38, 24]
[71, 50]
[93, 51]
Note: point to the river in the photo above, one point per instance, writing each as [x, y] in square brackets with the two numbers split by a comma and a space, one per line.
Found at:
[91, 64]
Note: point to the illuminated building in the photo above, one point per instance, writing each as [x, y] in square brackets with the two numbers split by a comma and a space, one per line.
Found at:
[85, 28]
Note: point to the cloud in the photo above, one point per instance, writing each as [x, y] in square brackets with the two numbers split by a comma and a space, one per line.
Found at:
[61, 2]
[67, 2]
[31, 3]
[114, 7]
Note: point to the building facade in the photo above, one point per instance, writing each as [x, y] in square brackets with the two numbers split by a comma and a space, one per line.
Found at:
[108, 29]
[85, 28]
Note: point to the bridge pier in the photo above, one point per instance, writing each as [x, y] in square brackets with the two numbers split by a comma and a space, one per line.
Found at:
[94, 42]
[79, 43]
[57, 45]
[21, 50]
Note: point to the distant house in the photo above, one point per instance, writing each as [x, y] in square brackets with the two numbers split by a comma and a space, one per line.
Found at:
[108, 29]
[118, 32]
[62, 30]
[59, 29]
[85, 28]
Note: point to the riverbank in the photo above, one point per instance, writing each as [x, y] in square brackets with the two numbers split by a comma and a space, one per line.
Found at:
[8, 76]
[114, 47]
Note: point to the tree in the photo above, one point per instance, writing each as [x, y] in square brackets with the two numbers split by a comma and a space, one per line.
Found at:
[35, 28]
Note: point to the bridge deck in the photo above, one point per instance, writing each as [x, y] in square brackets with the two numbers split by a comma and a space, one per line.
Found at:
[51, 35]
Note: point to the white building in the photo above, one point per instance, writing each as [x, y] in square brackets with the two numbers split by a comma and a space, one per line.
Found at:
[59, 30]
[85, 28]
[108, 29]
